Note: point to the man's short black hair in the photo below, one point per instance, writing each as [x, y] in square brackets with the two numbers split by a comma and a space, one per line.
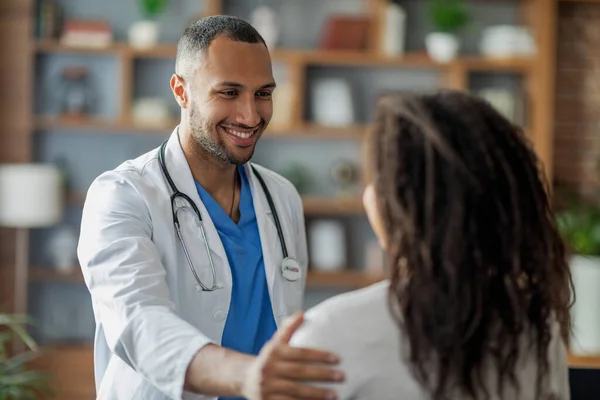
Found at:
[198, 36]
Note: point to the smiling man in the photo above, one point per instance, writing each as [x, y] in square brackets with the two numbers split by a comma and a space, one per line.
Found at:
[195, 259]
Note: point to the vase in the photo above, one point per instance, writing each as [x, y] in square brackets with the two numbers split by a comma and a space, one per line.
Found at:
[144, 34]
[62, 249]
[394, 30]
[442, 47]
[327, 241]
[585, 316]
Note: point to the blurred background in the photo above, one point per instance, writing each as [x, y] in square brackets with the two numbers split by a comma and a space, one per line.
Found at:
[85, 86]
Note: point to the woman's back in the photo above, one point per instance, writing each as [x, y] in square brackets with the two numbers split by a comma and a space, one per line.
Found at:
[358, 327]
[479, 283]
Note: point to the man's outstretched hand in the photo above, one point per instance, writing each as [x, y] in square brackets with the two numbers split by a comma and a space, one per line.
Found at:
[282, 372]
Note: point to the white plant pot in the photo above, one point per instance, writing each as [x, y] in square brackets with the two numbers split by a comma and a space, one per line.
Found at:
[144, 34]
[328, 245]
[585, 314]
[442, 47]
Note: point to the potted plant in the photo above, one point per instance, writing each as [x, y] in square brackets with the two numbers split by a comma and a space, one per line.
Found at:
[448, 18]
[579, 224]
[144, 34]
[17, 382]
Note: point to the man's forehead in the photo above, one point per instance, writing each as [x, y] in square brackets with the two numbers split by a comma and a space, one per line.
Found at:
[248, 64]
[227, 53]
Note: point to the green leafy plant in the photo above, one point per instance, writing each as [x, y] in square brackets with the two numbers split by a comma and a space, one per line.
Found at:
[299, 176]
[578, 217]
[581, 230]
[153, 8]
[17, 382]
[448, 16]
[578, 222]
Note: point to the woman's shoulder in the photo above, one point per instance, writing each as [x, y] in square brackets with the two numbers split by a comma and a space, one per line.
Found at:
[340, 315]
[347, 304]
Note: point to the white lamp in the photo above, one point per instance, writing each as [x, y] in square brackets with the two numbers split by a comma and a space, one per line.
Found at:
[31, 196]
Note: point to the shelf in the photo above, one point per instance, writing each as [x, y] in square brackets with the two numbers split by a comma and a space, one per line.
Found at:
[117, 126]
[513, 64]
[357, 58]
[349, 279]
[54, 46]
[50, 274]
[312, 57]
[357, 280]
[71, 367]
[315, 131]
[57, 356]
[332, 206]
[312, 204]
[101, 125]
[338, 279]
[584, 361]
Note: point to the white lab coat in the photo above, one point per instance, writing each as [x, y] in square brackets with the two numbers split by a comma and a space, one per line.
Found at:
[150, 320]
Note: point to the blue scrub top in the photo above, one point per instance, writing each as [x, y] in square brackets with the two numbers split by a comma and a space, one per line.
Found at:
[250, 322]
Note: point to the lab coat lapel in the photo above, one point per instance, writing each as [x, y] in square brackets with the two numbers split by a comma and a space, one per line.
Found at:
[266, 228]
[182, 177]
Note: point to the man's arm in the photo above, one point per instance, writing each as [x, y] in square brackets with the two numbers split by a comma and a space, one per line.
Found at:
[277, 372]
[126, 279]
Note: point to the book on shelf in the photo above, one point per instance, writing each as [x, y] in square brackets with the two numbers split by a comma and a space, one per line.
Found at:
[86, 34]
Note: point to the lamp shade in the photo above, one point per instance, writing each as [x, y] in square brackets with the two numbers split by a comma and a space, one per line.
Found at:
[31, 195]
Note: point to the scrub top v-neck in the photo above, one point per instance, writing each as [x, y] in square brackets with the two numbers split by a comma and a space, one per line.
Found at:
[250, 322]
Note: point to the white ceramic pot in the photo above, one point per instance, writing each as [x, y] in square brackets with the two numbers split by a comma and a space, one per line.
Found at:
[585, 314]
[62, 249]
[144, 34]
[442, 47]
[327, 245]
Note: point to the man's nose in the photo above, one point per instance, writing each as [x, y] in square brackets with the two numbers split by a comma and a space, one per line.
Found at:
[248, 112]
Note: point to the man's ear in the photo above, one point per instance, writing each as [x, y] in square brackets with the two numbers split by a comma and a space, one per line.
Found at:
[179, 92]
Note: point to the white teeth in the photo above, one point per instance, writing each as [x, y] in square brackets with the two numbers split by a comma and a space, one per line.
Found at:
[242, 135]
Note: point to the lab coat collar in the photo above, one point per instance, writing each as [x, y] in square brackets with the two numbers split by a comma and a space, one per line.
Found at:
[181, 174]
[266, 227]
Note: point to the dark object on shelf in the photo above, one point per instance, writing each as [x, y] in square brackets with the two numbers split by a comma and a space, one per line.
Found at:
[49, 19]
[346, 33]
[76, 97]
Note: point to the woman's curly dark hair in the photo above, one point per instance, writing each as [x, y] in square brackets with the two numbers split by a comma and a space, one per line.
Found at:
[474, 258]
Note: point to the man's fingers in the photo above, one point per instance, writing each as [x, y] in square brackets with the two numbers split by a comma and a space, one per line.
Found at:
[307, 372]
[306, 355]
[284, 334]
[293, 390]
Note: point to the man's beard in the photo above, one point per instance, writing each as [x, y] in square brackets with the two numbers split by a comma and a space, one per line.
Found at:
[201, 131]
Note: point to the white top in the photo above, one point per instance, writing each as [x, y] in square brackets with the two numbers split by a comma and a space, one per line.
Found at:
[360, 329]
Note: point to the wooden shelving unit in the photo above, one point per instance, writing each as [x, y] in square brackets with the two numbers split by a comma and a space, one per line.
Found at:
[119, 126]
[348, 278]
[71, 369]
[312, 205]
[308, 57]
[71, 364]
[584, 361]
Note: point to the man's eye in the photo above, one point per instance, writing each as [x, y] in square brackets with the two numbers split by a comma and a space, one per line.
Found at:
[229, 93]
[264, 94]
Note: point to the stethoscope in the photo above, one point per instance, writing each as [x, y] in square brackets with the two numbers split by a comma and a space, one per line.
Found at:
[290, 267]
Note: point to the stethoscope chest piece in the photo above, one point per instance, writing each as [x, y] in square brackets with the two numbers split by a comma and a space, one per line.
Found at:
[290, 269]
